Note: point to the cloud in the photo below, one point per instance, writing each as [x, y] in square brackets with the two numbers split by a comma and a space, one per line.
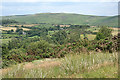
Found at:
[60, 0]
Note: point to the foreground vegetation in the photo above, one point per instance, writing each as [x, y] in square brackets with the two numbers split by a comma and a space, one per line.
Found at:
[94, 65]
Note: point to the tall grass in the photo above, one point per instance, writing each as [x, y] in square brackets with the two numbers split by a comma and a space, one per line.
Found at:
[72, 64]
[20, 72]
[78, 64]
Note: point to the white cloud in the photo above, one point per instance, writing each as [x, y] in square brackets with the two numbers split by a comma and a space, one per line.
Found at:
[59, 0]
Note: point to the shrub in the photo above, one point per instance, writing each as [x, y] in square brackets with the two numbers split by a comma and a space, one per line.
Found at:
[14, 56]
[103, 33]
[39, 47]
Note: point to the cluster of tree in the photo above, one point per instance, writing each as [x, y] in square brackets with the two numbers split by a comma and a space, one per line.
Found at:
[37, 32]
[54, 28]
[43, 31]
[10, 31]
[19, 30]
[59, 37]
[103, 33]
[79, 26]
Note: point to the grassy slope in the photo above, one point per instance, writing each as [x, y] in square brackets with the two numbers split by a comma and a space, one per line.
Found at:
[98, 65]
[66, 18]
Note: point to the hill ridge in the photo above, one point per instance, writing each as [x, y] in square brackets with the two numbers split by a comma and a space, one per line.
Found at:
[66, 18]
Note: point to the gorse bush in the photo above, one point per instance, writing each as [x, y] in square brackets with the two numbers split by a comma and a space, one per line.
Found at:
[109, 45]
[14, 56]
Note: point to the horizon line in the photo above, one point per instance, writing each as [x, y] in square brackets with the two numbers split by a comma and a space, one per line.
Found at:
[56, 13]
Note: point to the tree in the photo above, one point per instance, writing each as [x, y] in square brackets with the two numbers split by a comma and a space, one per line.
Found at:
[59, 37]
[9, 32]
[103, 33]
[100, 36]
[39, 48]
[19, 30]
[12, 30]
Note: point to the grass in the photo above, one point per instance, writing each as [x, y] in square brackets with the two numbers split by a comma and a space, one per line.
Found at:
[96, 29]
[89, 36]
[107, 71]
[5, 40]
[34, 37]
[93, 29]
[83, 63]
[8, 37]
[115, 32]
[94, 65]
[26, 25]
[51, 32]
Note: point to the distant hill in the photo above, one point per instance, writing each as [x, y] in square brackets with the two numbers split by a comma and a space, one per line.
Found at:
[66, 18]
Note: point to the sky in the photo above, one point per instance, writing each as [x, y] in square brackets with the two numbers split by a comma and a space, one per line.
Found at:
[86, 7]
[59, 0]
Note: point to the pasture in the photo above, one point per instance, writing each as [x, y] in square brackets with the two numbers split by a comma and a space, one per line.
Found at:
[26, 25]
[5, 40]
[115, 32]
[96, 29]
[89, 36]
[93, 29]
[14, 28]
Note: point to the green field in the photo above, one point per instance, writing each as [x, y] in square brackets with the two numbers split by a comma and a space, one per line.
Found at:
[93, 29]
[5, 40]
[67, 18]
[89, 36]
[50, 33]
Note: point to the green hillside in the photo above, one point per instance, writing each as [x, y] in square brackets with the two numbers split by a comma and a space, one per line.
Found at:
[66, 18]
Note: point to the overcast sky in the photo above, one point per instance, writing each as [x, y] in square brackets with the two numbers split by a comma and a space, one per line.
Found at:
[87, 7]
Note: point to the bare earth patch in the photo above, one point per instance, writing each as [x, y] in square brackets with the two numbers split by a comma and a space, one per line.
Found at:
[42, 64]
